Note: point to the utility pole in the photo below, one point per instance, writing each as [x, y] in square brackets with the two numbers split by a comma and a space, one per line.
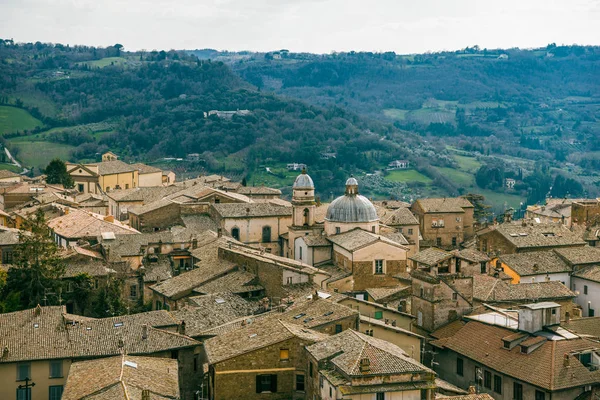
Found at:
[27, 386]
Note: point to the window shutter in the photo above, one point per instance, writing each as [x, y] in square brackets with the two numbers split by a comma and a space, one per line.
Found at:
[274, 383]
[258, 384]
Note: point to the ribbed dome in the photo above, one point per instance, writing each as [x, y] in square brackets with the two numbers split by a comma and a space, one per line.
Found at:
[303, 181]
[352, 181]
[351, 208]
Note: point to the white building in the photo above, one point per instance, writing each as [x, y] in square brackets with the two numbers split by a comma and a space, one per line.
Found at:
[586, 282]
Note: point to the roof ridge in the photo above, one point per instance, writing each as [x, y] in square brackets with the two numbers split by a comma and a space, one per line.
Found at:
[362, 350]
[552, 365]
[122, 367]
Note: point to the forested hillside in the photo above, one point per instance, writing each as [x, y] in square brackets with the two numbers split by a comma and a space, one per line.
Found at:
[528, 115]
[148, 106]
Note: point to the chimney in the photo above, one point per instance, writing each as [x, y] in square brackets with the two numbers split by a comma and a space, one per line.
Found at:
[472, 389]
[365, 365]
[248, 210]
[38, 310]
[567, 317]
[219, 232]
[145, 394]
[182, 328]
[144, 332]
[121, 343]
[5, 352]
[109, 218]
[316, 295]
[536, 267]
[243, 322]
[194, 243]
[66, 210]
[566, 361]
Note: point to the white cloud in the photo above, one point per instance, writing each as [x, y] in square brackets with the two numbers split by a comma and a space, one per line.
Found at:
[303, 25]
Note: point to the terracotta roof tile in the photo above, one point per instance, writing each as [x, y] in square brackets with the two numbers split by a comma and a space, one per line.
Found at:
[535, 263]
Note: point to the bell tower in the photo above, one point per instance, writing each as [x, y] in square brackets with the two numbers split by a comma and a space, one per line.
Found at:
[303, 201]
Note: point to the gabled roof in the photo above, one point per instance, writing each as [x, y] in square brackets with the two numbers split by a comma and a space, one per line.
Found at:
[246, 210]
[259, 334]
[444, 205]
[591, 273]
[122, 376]
[489, 289]
[113, 167]
[45, 333]
[584, 327]
[144, 194]
[472, 255]
[4, 173]
[543, 367]
[580, 255]
[538, 235]
[398, 216]
[431, 256]
[77, 224]
[346, 350]
[235, 282]
[358, 238]
[258, 190]
[535, 263]
[145, 169]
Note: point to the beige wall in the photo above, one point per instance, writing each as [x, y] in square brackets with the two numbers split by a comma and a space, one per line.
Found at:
[251, 229]
[151, 179]
[124, 181]
[330, 227]
[403, 321]
[409, 343]
[40, 375]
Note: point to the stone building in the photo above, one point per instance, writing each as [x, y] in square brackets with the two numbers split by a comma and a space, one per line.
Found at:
[527, 361]
[439, 300]
[524, 236]
[536, 266]
[585, 212]
[55, 339]
[402, 219]
[352, 365]
[444, 222]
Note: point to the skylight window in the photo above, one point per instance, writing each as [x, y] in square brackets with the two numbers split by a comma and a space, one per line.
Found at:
[253, 335]
[118, 324]
[36, 325]
[219, 300]
[328, 313]
[299, 316]
[130, 364]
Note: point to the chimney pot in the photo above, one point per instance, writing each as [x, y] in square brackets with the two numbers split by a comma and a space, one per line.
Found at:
[182, 328]
[472, 390]
[144, 332]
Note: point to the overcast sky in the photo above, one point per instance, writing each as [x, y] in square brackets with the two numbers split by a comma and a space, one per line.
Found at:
[319, 26]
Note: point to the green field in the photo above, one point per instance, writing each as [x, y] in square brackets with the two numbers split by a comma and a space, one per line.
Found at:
[14, 119]
[279, 177]
[39, 153]
[427, 116]
[460, 178]
[395, 113]
[409, 175]
[467, 164]
[10, 167]
[104, 62]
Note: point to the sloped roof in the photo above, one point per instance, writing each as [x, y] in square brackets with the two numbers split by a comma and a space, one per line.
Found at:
[46, 333]
[539, 235]
[580, 255]
[4, 173]
[346, 350]
[9, 236]
[245, 210]
[114, 167]
[431, 256]
[89, 379]
[261, 333]
[543, 367]
[444, 205]
[82, 224]
[316, 240]
[146, 169]
[591, 273]
[535, 263]
[258, 190]
[235, 282]
[489, 289]
[398, 216]
[589, 326]
[358, 238]
[472, 255]
[145, 194]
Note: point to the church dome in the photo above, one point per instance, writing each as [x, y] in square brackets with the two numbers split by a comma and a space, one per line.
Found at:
[303, 181]
[351, 207]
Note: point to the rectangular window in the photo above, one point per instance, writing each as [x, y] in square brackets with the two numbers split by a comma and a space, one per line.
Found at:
[454, 241]
[478, 376]
[517, 391]
[55, 392]
[7, 256]
[56, 369]
[487, 379]
[584, 289]
[378, 314]
[338, 230]
[540, 395]
[321, 381]
[300, 383]
[338, 328]
[266, 383]
[438, 242]
[460, 367]
[127, 186]
[310, 369]
[454, 296]
[284, 354]
[24, 394]
[378, 266]
[23, 371]
[410, 231]
[483, 267]
[498, 384]
[380, 396]
[484, 245]
[80, 187]
[133, 291]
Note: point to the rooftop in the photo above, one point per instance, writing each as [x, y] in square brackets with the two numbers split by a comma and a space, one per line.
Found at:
[584, 327]
[580, 255]
[489, 289]
[431, 256]
[358, 238]
[258, 190]
[122, 377]
[146, 169]
[4, 173]
[240, 210]
[397, 216]
[538, 235]
[535, 263]
[444, 205]
[75, 224]
[346, 350]
[143, 194]
[483, 343]
[591, 273]
[47, 333]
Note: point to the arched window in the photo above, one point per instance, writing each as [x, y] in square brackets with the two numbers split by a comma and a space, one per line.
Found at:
[306, 215]
[235, 233]
[266, 234]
